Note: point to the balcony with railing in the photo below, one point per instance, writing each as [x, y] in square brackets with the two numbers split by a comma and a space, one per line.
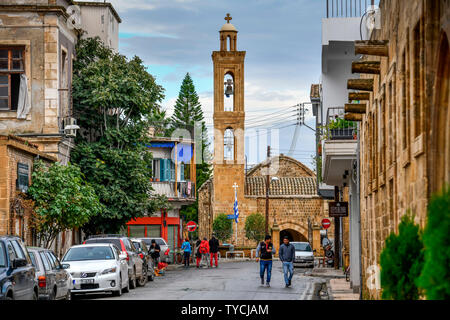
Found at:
[180, 190]
[339, 147]
[348, 8]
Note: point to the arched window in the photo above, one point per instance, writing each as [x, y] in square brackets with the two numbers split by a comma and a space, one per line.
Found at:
[228, 102]
[228, 144]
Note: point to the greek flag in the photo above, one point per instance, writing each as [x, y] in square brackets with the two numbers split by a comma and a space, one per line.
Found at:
[235, 208]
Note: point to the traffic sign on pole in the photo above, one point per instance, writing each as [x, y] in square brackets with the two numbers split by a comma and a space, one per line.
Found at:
[191, 226]
[326, 223]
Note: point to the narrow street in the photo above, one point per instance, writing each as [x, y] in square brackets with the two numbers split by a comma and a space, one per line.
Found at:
[231, 281]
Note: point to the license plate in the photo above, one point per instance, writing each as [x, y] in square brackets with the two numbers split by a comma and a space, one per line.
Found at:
[83, 281]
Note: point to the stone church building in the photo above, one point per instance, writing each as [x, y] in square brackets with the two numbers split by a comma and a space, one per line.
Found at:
[295, 209]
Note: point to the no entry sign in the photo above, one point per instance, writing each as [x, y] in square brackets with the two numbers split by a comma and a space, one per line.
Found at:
[191, 226]
[326, 223]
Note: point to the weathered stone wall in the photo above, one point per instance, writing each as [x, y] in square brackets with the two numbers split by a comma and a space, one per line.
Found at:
[45, 35]
[398, 129]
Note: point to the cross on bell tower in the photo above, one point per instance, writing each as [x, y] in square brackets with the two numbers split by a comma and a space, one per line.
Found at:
[228, 18]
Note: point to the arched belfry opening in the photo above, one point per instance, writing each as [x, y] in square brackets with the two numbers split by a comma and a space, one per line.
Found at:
[228, 144]
[228, 102]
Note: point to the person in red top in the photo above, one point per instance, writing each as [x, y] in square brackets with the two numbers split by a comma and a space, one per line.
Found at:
[203, 249]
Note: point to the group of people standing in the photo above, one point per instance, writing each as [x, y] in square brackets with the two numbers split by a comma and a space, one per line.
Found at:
[264, 254]
[205, 250]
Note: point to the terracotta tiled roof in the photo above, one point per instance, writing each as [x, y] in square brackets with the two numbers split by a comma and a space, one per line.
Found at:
[285, 186]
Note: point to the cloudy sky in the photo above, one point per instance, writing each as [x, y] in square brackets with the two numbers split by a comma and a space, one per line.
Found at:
[283, 43]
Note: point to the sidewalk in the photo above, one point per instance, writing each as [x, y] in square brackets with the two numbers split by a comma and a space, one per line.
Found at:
[339, 289]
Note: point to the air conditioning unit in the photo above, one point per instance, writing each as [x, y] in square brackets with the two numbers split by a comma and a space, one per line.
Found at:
[70, 127]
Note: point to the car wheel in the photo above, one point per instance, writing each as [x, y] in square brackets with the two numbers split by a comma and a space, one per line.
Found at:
[133, 281]
[143, 279]
[127, 288]
[118, 293]
[52, 295]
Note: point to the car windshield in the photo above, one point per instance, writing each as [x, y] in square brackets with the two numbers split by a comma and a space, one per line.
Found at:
[2, 256]
[302, 247]
[148, 242]
[89, 253]
[111, 240]
[137, 245]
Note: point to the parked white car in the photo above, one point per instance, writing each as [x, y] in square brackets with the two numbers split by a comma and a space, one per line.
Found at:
[304, 255]
[98, 267]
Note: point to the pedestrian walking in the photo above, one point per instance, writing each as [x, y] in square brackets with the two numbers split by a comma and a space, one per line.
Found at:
[186, 247]
[214, 249]
[287, 256]
[264, 253]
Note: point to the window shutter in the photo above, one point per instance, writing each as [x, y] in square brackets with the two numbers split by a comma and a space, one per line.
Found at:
[182, 172]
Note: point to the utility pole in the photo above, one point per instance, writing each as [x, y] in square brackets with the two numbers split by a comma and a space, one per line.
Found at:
[267, 191]
[337, 228]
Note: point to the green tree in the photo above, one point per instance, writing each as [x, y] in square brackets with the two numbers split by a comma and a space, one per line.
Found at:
[435, 277]
[115, 101]
[401, 262]
[187, 114]
[222, 227]
[255, 227]
[63, 200]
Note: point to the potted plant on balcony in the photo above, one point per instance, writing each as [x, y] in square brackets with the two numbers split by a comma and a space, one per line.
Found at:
[341, 129]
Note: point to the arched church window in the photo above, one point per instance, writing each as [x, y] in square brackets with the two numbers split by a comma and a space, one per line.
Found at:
[228, 144]
[228, 103]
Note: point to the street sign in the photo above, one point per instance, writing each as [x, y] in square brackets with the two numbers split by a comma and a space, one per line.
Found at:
[338, 209]
[326, 223]
[231, 216]
[191, 226]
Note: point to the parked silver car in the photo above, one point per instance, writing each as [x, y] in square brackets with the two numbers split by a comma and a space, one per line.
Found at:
[165, 249]
[142, 250]
[304, 254]
[53, 280]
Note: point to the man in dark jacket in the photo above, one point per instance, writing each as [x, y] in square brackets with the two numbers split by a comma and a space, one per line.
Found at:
[154, 252]
[287, 256]
[213, 250]
[264, 252]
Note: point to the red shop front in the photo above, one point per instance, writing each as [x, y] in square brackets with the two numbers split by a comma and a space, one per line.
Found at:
[164, 227]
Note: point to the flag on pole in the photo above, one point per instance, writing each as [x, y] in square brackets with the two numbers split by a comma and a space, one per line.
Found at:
[235, 207]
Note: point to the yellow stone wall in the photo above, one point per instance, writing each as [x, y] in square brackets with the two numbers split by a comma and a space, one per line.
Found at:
[405, 131]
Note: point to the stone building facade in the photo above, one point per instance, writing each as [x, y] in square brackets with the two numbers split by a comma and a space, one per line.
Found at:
[38, 41]
[405, 132]
[16, 165]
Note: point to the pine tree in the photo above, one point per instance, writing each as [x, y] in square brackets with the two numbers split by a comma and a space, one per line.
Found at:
[187, 113]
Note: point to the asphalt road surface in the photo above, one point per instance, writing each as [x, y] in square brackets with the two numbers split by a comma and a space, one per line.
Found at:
[231, 281]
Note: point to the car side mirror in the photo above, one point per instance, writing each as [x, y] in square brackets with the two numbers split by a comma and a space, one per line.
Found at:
[122, 256]
[17, 263]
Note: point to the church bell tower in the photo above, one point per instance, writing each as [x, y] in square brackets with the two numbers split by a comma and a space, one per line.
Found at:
[229, 118]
